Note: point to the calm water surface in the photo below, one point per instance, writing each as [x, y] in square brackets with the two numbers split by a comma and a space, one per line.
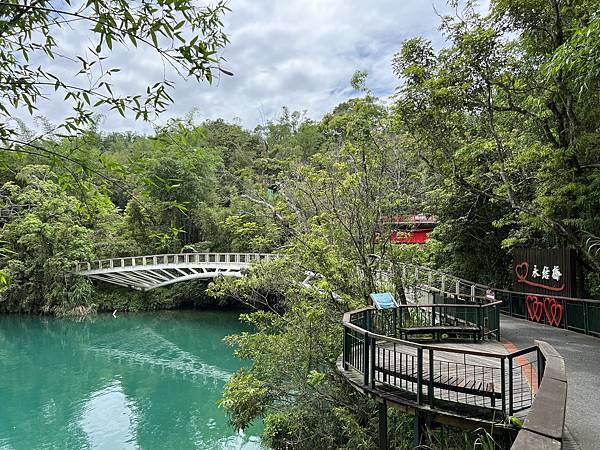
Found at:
[147, 380]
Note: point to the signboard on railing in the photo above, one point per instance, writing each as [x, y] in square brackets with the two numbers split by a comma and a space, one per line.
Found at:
[383, 300]
[548, 272]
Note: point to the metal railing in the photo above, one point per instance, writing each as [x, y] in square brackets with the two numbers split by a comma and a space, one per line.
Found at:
[502, 382]
[481, 320]
[575, 314]
[173, 259]
[431, 280]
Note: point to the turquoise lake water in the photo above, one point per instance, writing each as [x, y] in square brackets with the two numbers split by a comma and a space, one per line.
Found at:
[149, 380]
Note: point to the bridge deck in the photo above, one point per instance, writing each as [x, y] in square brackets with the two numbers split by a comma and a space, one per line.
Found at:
[152, 271]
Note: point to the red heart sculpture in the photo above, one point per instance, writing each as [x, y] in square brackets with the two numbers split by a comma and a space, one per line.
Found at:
[522, 270]
[554, 311]
[535, 308]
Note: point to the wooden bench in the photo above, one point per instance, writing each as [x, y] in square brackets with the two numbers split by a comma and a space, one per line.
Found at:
[437, 331]
[448, 382]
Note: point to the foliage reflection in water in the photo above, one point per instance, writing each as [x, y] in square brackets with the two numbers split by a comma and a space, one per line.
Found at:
[147, 380]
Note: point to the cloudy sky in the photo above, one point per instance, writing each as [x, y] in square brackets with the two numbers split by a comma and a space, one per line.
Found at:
[295, 53]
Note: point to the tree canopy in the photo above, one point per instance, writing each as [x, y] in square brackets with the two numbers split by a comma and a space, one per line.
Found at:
[187, 37]
[495, 134]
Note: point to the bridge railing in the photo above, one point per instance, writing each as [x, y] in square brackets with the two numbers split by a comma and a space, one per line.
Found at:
[575, 314]
[506, 383]
[174, 259]
[431, 280]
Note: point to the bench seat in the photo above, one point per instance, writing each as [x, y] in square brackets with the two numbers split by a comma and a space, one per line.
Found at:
[450, 383]
[437, 331]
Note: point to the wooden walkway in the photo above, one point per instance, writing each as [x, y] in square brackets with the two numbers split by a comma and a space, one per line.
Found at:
[467, 388]
[469, 379]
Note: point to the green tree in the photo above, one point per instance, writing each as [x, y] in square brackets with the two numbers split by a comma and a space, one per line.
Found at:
[186, 36]
[496, 115]
[41, 246]
[332, 204]
[175, 177]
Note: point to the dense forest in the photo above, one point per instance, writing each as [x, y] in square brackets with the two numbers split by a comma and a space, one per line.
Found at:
[496, 134]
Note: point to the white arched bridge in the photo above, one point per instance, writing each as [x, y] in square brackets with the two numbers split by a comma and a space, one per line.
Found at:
[149, 272]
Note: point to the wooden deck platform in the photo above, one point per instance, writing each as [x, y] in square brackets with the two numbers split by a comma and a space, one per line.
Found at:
[467, 388]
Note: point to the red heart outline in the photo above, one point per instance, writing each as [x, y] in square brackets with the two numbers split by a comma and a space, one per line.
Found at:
[522, 270]
[553, 310]
[535, 308]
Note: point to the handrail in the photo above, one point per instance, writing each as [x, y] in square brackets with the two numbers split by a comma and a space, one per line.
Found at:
[439, 272]
[412, 344]
[439, 305]
[482, 287]
[172, 259]
[556, 297]
[372, 354]
[480, 320]
[382, 337]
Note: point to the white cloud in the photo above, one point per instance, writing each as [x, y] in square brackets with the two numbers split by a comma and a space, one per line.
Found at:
[295, 53]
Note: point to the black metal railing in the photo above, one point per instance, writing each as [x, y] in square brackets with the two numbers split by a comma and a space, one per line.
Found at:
[431, 374]
[433, 321]
[575, 314]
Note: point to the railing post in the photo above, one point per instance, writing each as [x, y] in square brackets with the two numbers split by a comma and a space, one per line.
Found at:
[503, 384]
[481, 330]
[473, 293]
[457, 288]
[443, 284]
[366, 359]
[586, 317]
[430, 384]
[372, 342]
[510, 386]
[497, 323]
[346, 349]
[420, 375]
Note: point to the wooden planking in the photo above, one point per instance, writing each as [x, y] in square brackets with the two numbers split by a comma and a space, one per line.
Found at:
[452, 380]
[529, 440]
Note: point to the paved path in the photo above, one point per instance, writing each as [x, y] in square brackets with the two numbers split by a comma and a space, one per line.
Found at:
[582, 359]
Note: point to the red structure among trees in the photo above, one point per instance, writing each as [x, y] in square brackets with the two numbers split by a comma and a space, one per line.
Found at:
[413, 229]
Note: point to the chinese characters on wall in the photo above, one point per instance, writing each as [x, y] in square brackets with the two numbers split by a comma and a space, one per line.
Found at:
[542, 275]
